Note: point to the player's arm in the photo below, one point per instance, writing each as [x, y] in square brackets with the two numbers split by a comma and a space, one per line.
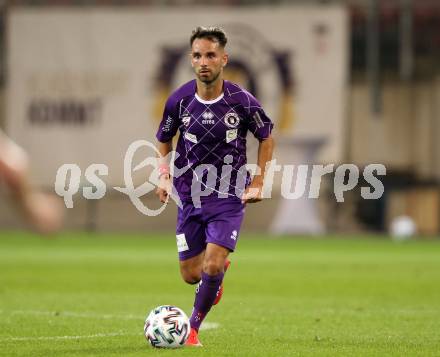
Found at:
[164, 188]
[167, 130]
[261, 126]
[254, 191]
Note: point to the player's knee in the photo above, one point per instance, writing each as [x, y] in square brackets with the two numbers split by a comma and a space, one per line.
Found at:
[190, 277]
[213, 266]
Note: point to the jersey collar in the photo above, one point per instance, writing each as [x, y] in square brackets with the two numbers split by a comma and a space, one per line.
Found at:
[212, 101]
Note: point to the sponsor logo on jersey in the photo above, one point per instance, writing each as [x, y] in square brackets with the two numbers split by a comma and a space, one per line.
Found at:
[258, 120]
[182, 245]
[167, 125]
[208, 118]
[231, 135]
[191, 137]
[207, 115]
[232, 120]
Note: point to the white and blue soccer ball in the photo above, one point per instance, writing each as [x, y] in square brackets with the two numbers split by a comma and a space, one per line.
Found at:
[167, 326]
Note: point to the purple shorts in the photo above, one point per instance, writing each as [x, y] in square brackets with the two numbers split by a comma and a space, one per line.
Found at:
[216, 221]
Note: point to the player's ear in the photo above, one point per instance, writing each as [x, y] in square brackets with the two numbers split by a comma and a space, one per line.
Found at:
[225, 59]
[190, 58]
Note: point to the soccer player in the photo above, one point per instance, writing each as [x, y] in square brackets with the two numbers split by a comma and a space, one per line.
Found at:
[213, 116]
[43, 211]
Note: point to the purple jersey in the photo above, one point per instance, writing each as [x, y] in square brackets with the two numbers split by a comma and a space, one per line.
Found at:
[212, 142]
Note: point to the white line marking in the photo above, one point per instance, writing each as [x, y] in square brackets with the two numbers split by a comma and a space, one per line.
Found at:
[209, 325]
[73, 314]
[205, 326]
[49, 338]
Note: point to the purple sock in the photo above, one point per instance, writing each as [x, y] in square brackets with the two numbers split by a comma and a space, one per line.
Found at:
[206, 293]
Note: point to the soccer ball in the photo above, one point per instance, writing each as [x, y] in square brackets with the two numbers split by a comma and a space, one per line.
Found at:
[167, 326]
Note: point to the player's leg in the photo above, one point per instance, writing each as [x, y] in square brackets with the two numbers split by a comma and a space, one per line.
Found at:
[220, 290]
[214, 259]
[43, 211]
[212, 277]
[223, 219]
[191, 242]
[13, 165]
[191, 269]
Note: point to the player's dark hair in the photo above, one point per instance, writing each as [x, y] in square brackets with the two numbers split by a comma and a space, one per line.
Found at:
[215, 34]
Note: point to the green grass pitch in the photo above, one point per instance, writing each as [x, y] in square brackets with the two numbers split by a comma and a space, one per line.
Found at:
[87, 295]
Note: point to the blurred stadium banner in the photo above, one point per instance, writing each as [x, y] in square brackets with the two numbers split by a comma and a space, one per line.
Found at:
[85, 83]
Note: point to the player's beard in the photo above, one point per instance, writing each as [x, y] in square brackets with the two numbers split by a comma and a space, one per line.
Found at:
[209, 80]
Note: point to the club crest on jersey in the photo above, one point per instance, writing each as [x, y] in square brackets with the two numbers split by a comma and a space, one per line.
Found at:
[185, 120]
[232, 120]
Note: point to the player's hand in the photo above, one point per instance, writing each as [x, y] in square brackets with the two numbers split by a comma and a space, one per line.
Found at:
[253, 193]
[164, 188]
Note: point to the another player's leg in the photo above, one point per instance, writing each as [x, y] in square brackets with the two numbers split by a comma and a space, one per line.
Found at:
[43, 211]
[206, 292]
